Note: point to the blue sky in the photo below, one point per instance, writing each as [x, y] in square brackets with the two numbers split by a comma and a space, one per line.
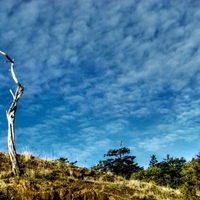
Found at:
[99, 72]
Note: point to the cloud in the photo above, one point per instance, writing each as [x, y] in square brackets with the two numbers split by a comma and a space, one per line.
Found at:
[94, 71]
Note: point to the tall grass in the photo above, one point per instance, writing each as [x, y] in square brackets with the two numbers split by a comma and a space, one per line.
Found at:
[34, 168]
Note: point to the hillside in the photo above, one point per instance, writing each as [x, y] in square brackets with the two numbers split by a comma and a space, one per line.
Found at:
[41, 179]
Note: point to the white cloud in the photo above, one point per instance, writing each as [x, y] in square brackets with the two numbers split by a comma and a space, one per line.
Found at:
[96, 69]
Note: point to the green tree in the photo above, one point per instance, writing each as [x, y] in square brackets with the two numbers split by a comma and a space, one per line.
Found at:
[153, 161]
[167, 172]
[119, 163]
[191, 179]
[152, 174]
[171, 169]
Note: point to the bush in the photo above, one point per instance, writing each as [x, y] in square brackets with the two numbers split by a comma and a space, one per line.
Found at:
[191, 179]
[164, 173]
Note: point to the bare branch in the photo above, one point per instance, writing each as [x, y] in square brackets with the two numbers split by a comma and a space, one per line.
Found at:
[11, 116]
[12, 94]
[9, 60]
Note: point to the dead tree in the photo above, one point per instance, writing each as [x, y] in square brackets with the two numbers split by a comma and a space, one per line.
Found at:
[11, 118]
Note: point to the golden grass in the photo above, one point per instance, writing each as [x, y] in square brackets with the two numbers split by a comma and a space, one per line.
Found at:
[34, 168]
[142, 190]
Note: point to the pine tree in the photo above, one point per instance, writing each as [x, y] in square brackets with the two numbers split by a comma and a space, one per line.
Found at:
[119, 162]
[153, 161]
[168, 172]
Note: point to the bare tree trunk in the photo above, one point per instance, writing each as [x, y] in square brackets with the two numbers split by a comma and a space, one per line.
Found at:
[11, 119]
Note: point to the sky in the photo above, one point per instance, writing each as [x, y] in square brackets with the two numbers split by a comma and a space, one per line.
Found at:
[100, 72]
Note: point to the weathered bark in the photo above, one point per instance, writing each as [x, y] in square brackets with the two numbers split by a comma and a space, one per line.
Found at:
[11, 119]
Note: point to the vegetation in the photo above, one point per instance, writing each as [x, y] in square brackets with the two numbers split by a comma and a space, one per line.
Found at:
[121, 165]
[174, 173]
[171, 172]
[191, 179]
[166, 173]
[57, 179]
[172, 178]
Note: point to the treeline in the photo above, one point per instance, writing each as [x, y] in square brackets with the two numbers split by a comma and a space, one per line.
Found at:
[168, 172]
[171, 172]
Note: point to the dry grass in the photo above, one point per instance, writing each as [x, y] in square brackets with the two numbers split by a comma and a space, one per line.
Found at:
[141, 190]
[35, 169]
[150, 189]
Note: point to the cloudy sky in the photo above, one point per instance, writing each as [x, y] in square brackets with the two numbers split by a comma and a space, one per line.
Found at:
[100, 72]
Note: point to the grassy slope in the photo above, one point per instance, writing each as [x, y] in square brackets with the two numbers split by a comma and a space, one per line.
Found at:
[41, 179]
